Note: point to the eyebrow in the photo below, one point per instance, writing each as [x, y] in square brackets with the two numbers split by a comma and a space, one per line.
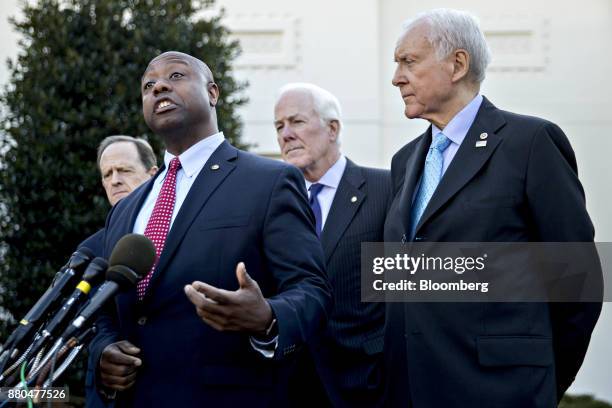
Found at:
[290, 117]
[405, 55]
[119, 167]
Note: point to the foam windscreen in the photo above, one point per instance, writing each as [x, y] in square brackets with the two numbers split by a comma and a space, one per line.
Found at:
[134, 251]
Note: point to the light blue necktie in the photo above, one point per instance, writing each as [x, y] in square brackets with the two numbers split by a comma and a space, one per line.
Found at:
[432, 174]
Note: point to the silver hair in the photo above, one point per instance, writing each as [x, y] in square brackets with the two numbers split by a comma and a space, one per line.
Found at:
[325, 103]
[450, 30]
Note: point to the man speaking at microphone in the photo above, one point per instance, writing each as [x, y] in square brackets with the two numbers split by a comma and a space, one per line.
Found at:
[199, 329]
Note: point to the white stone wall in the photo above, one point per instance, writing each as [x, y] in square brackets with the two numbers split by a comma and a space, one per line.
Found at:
[334, 44]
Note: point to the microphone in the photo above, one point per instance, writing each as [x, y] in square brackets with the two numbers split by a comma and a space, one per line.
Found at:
[92, 276]
[47, 302]
[72, 271]
[131, 259]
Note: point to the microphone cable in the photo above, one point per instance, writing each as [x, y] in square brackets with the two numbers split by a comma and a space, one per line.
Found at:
[25, 384]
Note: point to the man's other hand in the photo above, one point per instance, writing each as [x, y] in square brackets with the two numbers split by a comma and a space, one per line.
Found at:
[118, 365]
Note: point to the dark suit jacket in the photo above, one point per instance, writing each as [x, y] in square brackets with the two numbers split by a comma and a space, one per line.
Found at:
[348, 357]
[521, 187]
[249, 209]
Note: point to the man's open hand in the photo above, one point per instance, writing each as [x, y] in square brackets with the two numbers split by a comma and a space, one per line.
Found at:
[242, 310]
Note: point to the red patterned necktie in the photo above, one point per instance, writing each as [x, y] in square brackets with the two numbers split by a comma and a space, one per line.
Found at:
[159, 223]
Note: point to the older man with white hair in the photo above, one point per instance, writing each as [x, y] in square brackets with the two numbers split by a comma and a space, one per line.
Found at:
[349, 202]
[479, 174]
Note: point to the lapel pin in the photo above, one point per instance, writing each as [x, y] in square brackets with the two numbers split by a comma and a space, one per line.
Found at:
[484, 135]
[481, 143]
[214, 167]
[353, 199]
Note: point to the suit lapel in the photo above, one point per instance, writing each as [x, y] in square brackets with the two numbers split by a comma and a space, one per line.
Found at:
[133, 203]
[126, 300]
[414, 168]
[344, 207]
[469, 158]
[139, 201]
[206, 183]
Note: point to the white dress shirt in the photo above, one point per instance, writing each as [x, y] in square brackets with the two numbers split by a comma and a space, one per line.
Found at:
[192, 162]
[457, 129]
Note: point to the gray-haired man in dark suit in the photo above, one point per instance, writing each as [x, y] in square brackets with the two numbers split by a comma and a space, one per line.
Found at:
[349, 202]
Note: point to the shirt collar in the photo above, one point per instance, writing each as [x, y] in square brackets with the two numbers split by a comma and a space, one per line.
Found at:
[332, 176]
[194, 158]
[460, 124]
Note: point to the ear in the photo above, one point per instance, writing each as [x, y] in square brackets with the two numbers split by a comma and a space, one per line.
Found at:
[152, 171]
[461, 64]
[334, 129]
[213, 93]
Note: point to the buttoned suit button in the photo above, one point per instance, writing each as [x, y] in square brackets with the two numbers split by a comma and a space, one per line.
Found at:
[142, 320]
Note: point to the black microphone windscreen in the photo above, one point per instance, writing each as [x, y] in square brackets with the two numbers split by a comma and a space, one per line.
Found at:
[135, 251]
[80, 259]
[87, 252]
[95, 271]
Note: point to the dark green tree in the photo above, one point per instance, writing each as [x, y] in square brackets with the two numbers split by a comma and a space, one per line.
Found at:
[582, 401]
[75, 81]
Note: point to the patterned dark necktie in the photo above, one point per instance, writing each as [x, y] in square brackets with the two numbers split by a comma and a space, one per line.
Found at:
[315, 189]
[159, 223]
